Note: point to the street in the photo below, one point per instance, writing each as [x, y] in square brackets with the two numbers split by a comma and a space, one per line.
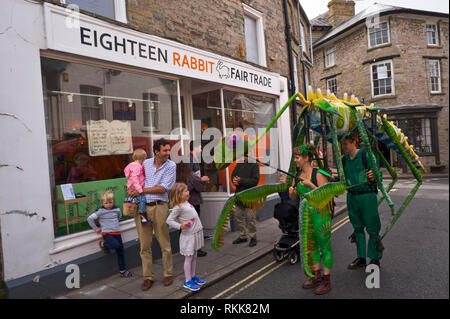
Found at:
[414, 264]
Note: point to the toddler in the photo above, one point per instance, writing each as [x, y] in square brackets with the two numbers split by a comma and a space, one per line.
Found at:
[136, 179]
[108, 217]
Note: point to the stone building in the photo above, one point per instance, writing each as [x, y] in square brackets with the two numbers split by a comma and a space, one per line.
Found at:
[85, 82]
[396, 58]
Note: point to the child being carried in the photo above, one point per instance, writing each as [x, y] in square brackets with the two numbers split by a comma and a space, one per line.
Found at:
[136, 179]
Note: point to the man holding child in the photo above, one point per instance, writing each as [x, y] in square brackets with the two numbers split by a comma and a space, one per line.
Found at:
[160, 173]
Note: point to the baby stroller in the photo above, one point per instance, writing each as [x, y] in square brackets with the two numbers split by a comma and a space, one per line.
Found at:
[286, 213]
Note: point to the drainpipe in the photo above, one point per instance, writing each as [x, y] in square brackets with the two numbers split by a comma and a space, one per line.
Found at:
[291, 86]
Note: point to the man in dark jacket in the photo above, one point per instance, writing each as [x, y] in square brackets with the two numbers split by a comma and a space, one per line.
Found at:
[245, 175]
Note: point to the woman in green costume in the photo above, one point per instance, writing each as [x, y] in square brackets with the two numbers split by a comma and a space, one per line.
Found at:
[320, 227]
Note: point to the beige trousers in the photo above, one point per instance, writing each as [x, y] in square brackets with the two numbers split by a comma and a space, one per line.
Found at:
[239, 213]
[158, 215]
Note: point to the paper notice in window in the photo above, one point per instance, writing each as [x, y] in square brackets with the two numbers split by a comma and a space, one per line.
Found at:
[382, 72]
[107, 138]
[67, 191]
[120, 137]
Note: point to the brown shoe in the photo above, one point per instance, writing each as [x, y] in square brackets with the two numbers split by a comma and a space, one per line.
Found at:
[313, 282]
[146, 285]
[168, 281]
[325, 285]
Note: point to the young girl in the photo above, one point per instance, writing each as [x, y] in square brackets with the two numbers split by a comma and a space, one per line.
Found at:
[136, 178]
[183, 216]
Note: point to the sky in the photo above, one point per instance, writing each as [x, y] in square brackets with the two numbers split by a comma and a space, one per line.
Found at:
[313, 8]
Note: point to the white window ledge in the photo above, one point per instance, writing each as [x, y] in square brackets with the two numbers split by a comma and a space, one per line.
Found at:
[78, 239]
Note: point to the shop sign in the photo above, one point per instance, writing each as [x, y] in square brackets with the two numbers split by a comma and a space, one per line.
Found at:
[98, 39]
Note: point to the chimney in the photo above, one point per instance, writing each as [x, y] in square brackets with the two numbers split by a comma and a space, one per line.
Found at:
[339, 11]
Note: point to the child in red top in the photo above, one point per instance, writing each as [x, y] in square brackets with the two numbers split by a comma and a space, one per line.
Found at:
[136, 178]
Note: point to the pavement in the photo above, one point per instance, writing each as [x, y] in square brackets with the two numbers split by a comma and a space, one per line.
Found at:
[215, 266]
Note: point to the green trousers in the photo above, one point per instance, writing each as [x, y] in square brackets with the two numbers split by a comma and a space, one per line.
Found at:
[363, 213]
[321, 224]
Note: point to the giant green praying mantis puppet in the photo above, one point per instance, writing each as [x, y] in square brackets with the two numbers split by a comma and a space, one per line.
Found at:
[332, 118]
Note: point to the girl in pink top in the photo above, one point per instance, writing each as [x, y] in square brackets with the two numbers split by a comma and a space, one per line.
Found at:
[136, 178]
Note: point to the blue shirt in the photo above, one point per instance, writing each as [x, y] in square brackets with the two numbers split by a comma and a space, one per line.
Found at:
[164, 176]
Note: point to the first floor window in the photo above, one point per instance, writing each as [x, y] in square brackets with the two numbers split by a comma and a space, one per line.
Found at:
[431, 34]
[435, 76]
[329, 57]
[382, 80]
[379, 34]
[332, 85]
[254, 36]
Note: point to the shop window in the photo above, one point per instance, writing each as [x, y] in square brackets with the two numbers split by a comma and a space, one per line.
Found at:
[254, 36]
[113, 9]
[382, 79]
[207, 113]
[332, 85]
[419, 132]
[432, 34]
[378, 34]
[435, 76]
[251, 114]
[92, 129]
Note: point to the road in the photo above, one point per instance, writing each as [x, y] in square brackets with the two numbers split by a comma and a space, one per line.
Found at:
[415, 263]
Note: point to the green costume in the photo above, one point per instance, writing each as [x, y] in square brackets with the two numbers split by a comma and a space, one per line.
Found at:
[362, 208]
[320, 230]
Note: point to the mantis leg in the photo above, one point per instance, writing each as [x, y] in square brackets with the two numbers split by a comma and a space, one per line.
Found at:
[391, 171]
[391, 133]
[305, 230]
[253, 198]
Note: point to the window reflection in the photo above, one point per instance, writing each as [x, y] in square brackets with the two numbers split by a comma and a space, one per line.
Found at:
[77, 94]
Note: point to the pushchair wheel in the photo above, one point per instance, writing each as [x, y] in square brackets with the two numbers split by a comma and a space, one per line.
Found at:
[293, 257]
[278, 255]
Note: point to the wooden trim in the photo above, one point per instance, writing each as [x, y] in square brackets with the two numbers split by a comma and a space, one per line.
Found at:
[330, 76]
[388, 57]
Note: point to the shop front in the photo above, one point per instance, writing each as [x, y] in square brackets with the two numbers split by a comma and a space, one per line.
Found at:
[107, 90]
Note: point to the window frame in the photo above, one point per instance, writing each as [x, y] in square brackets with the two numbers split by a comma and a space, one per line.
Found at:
[120, 10]
[260, 41]
[330, 51]
[435, 34]
[392, 79]
[388, 34]
[438, 75]
[328, 86]
[302, 37]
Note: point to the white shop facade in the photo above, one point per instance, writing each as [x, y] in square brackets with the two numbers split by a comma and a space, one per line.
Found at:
[60, 79]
